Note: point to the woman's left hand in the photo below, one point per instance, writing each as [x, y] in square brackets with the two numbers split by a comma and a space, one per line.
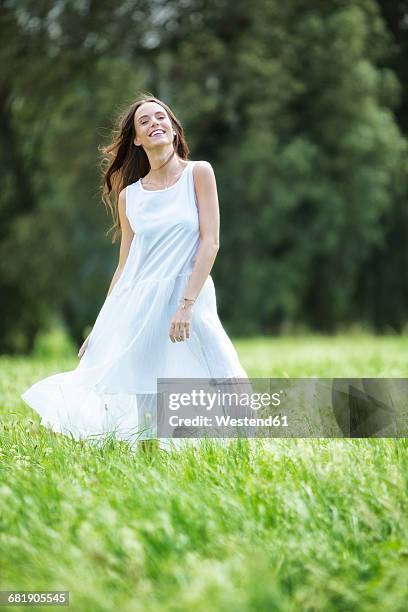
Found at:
[180, 324]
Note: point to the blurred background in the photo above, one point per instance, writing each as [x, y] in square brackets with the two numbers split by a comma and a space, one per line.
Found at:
[301, 110]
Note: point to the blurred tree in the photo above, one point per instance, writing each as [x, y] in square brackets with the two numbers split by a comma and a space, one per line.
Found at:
[58, 87]
[294, 104]
[395, 15]
[298, 115]
[382, 288]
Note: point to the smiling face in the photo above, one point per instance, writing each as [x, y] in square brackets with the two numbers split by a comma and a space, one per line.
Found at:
[153, 126]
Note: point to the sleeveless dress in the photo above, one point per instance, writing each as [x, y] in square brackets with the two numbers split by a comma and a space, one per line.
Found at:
[114, 386]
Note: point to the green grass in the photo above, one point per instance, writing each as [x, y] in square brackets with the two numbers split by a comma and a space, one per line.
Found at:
[313, 524]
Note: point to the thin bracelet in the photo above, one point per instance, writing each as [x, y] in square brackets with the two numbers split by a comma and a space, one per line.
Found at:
[186, 300]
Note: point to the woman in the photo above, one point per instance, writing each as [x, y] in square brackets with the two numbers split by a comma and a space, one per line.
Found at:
[159, 318]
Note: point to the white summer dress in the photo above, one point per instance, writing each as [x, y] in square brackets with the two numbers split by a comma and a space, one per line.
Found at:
[113, 387]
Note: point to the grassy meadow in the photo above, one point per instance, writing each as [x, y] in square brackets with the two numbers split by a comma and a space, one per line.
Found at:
[284, 524]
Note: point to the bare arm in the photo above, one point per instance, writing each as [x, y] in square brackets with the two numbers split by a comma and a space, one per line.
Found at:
[209, 219]
[126, 240]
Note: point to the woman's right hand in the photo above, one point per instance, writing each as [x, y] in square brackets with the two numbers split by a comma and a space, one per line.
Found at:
[83, 347]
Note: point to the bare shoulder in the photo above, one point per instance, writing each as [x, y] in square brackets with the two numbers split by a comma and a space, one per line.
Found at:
[122, 196]
[124, 222]
[203, 169]
[203, 176]
[122, 201]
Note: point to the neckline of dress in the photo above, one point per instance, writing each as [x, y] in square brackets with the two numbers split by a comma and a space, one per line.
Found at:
[166, 188]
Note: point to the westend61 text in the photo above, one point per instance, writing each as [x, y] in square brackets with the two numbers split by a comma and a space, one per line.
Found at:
[227, 421]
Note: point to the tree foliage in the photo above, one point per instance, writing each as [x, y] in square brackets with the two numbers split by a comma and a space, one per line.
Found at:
[299, 106]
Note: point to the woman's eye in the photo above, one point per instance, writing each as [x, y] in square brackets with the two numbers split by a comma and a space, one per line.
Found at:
[161, 117]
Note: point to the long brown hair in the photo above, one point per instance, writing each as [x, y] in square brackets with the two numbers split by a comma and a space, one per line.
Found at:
[124, 163]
